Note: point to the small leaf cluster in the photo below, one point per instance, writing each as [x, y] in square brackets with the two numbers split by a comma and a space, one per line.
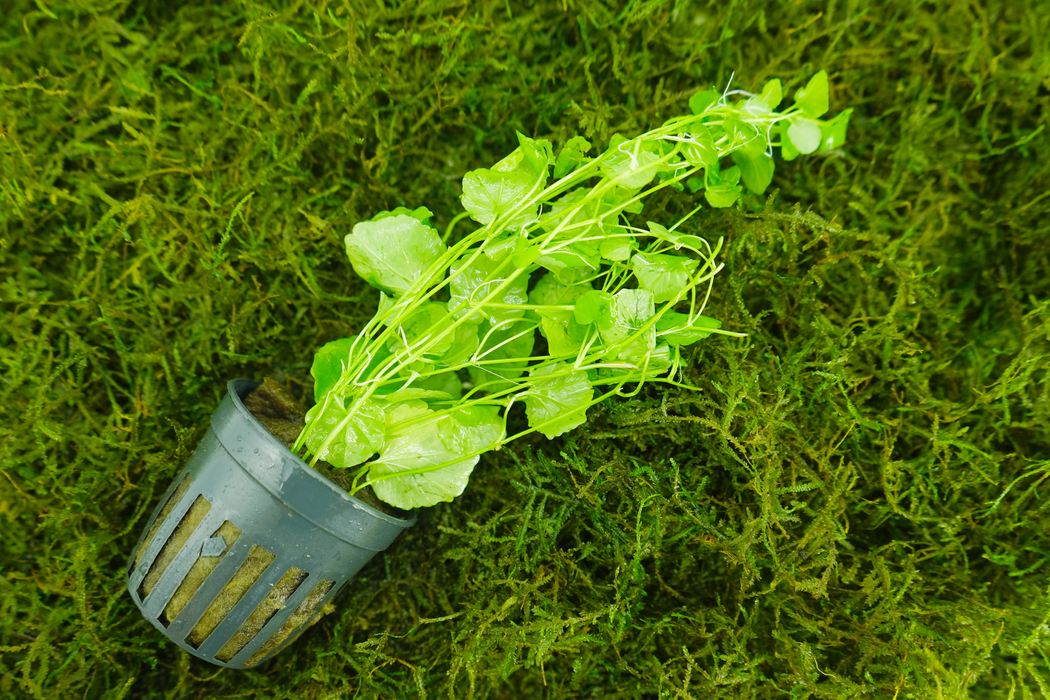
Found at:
[557, 300]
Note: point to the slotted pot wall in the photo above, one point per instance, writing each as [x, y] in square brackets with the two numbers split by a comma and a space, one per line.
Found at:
[249, 543]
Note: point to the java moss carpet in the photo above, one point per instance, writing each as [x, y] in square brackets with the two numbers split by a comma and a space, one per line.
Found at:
[856, 504]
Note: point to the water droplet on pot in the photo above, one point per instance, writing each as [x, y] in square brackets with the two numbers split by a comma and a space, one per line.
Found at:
[287, 467]
[256, 450]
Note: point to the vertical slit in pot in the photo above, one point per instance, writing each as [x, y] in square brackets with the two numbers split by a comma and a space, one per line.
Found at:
[198, 573]
[295, 621]
[161, 517]
[252, 568]
[174, 545]
[275, 600]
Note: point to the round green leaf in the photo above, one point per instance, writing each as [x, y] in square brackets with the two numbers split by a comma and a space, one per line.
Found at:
[804, 135]
[393, 252]
[813, 99]
[343, 439]
[557, 404]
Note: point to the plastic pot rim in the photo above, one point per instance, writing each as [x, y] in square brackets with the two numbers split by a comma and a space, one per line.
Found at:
[234, 388]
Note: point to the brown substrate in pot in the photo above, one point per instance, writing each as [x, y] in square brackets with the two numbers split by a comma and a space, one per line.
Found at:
[284, 417]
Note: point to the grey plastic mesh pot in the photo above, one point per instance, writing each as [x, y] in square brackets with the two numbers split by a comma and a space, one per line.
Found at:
[249, 544]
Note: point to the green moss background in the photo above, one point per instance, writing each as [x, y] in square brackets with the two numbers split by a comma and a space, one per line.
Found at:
[854, 506]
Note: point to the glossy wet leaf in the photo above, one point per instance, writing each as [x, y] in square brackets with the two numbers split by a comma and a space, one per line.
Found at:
[335, 356]
[666, 276]
[722, 188]
[702, 100]
[503, 355]
[722, 195]
[677, 238]
[416, 467]
[675, 329]
[558, 399]
[629, 312]
[488, 194]
[444, 382]
[632, 163]
[536, 155]
[465, 341]
[575, 215]
[571, 156]
[564, 335]
[616, 249]
[653, 362]
[833, 131]
[768, 100]
[330, 361]
[421, 214]
[393, 252]
[427, 327]
[577, 255]
[699, 148]
[471, 429]
[353, 433]
[593, 307]
[474, 280]
[416, 393]
[744, 136]
[788, 152]
[804, 135]
[813, 99]
[755, 170]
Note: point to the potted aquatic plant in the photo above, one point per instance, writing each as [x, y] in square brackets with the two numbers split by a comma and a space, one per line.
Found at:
[555, 300]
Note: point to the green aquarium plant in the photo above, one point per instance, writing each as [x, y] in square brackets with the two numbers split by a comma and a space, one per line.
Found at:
[557, 299]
